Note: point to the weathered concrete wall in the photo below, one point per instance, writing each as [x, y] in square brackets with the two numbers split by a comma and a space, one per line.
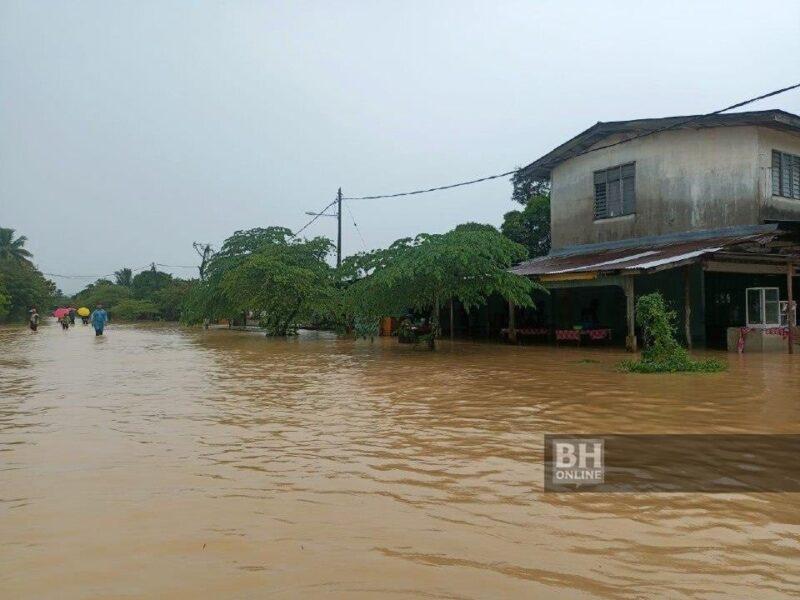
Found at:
[686, 180]
[775, 207]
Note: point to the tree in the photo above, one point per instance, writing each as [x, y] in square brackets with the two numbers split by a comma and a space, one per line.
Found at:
[265, 270]
[5, 301]
[123, 277]
[468, 263]
[135, 310]
[170, 299]
[662, 353]
[530, 226]
[13, 249]
[147, 283]
[526, 187]
[25, 287]
[102, 292]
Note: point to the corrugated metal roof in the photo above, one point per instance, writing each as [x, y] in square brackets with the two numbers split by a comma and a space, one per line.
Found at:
[646, 257]
[775, 119]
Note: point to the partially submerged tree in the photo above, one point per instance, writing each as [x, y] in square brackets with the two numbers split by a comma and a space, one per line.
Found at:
[468, 264]
[283, 280]
[662, 353]
[22, 285]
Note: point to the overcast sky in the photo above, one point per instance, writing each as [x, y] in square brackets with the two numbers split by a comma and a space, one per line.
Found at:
[130, 129]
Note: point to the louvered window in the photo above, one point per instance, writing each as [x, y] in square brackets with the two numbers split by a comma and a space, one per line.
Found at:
[615, 191]
[785, 175]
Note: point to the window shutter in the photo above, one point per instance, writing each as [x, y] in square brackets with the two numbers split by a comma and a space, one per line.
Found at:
[786, 175]
[614, 192]
[776, 173]
[600, 204]
[795, 177]
[628, 189]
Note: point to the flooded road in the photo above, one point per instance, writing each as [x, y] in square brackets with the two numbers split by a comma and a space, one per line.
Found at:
[173, 463]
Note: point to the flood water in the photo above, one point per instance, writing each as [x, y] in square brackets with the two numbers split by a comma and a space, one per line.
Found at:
[173, 463]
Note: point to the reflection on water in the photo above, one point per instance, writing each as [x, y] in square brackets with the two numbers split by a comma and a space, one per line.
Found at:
[161, 462]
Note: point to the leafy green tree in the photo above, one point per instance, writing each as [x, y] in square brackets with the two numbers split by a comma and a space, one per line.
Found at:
[147, 283]
[662, 353]
[5, 301]
[132, 309]
[265, 270]
[525, 187]
[530, 226]
[13, 249]
[469, 264]
[123, 277]
[170, 299]
[102, 292]
[25, 287]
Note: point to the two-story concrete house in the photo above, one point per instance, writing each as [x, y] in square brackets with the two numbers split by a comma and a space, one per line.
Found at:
[705, 209]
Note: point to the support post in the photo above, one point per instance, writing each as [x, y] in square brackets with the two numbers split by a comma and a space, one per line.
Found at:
[687, 304]
[630, 313]
[452, 321]
[339, 229]
[512, 322]
[790, 298]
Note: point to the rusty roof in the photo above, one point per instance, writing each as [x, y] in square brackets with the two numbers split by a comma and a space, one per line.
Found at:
[541, 168]
[650, 255]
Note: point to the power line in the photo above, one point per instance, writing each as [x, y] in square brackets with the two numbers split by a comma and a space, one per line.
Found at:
[104, 275]
[435, 189]
[353, 217]
[690, 120]
[625, 141]
[316, 216]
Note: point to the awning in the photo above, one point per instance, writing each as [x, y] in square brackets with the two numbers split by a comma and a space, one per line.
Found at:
[643, 255]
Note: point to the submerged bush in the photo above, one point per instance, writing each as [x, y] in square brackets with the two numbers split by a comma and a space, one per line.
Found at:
[662, 353]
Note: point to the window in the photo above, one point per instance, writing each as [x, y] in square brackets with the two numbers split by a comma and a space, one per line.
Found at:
[615, 191]
[785, 175]
[763, 307]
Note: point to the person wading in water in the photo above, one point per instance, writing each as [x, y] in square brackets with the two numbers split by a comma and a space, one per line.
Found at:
[99, 319]
[34, 319]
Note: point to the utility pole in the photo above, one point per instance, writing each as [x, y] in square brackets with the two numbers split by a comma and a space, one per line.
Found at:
[339, 229]
[338, 216]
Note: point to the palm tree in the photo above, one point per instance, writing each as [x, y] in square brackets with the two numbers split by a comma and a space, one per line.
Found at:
[13, 249]
[124, 277]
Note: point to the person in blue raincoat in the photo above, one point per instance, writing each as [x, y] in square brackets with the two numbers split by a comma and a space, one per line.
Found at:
[99, 318]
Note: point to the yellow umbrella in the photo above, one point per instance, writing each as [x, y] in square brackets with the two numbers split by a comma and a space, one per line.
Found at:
[84, 312]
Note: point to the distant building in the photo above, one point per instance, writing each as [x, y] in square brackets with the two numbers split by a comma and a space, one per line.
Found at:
[705, 209]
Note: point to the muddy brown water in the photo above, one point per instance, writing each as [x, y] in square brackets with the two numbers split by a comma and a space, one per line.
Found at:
[172, 463]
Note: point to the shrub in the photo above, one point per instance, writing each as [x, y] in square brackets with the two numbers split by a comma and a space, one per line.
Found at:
[662, 353]
[135, 310]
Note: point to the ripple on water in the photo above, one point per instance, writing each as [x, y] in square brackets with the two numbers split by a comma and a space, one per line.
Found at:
[239, 466]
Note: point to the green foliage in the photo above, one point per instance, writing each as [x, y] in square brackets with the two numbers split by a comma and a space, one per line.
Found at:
[169, 300]
[526, 187]
[5, 301]
[530, 226]
[147, 283]
[662, 353]
[132, 309]
[11, 249]
[150, 294]
[265, 270]
[24, 287]
[102, 292]
[123, 277]
[366, 328]
[468, 263]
